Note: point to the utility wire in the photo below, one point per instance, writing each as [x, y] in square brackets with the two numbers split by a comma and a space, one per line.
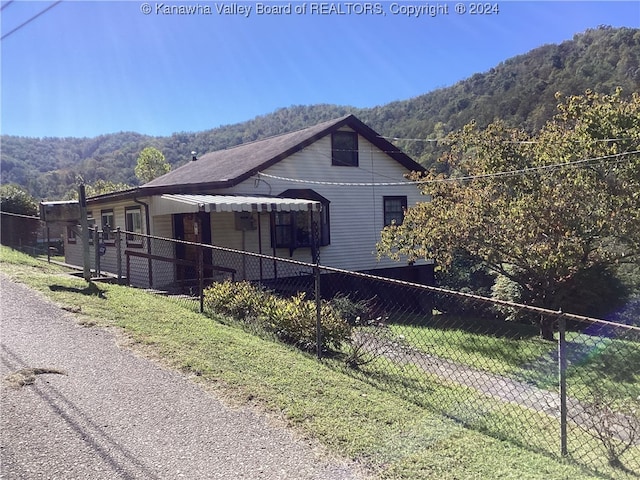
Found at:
[523, 142]
[323, 153]
[523, 171]
[29, 20]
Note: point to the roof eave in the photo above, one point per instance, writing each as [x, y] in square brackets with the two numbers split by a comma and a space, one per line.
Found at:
[349, 120]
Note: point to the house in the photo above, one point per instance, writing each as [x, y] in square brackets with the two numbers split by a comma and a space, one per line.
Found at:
[326, 191]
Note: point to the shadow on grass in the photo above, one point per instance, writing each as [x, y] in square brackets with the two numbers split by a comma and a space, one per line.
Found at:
[91, 290]
[470, 324]
[466, 409]
[485, 326]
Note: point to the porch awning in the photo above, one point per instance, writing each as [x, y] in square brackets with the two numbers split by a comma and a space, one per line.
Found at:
[171, 204]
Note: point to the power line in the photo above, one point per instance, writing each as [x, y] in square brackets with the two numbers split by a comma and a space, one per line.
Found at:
[536, 169]
[523, 171]
[323, 153]
[435, 140]
[29, 20]
[523, 142]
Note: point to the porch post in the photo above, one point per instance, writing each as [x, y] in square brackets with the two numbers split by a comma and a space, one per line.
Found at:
[48, 246]
[260, 243]
[96, 250]
[84, 225]
[119, 254]
[200, 252]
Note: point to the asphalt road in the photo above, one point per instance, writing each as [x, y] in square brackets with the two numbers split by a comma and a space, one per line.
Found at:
[116, 415]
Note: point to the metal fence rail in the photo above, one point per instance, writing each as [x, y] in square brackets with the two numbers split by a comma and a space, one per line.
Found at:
[478, 360]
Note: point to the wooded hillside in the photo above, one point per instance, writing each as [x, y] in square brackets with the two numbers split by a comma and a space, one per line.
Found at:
[520, 90]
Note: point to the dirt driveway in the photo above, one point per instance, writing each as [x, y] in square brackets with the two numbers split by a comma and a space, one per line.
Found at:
[104, 413]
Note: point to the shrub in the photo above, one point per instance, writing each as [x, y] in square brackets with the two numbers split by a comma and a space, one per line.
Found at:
[240, 300]
[617, 429]
[292, 320]
[355, 312]
[593, 292]
[506, 289]
[466, 274]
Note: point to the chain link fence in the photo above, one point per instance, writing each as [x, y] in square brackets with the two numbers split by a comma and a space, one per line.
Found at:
[477, 360]
[483, 363]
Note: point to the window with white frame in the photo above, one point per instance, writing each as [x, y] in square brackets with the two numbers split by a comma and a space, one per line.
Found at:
[394, 208]
[91, 223]
[107, 222]
[71, 234]
[133, 225]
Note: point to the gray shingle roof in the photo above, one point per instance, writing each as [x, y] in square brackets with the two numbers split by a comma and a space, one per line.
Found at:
[225, 168]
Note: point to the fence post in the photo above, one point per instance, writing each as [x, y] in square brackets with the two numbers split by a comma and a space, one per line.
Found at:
[96, 250]
[562, 374]
[84, 225]
[201, 276]
[119, 254]
[316, 271]
[149, 260]
[128, 269]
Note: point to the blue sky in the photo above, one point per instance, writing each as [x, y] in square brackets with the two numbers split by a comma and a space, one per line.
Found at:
[86, 68]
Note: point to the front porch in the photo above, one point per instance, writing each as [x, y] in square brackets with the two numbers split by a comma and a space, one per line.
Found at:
[234, 222]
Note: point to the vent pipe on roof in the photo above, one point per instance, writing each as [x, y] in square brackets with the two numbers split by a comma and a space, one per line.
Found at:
[193, 156]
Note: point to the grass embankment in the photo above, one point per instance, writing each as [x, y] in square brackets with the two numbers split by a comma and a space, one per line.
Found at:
[516, 351]
[391, 435]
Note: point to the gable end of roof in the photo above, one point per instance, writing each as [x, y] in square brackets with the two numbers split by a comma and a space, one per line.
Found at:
[227, 168]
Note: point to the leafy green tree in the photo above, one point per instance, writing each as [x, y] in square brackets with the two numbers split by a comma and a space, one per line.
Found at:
[99, 187]
[554, 213]
[151, 164]
[15, 199]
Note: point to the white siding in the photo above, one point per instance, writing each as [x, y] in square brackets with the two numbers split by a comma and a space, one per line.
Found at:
[356, 212]
[225, 234]
[109, 261]
[164, 273]
[73, 251]
[356, 216]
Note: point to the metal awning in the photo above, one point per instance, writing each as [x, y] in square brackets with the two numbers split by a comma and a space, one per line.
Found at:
[171, 204]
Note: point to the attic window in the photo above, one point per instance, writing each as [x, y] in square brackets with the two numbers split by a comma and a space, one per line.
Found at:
[344, 149]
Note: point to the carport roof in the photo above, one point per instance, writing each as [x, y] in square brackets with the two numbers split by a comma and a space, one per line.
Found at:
[171, 204]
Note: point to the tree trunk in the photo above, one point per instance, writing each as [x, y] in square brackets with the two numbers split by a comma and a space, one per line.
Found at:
[546, 328]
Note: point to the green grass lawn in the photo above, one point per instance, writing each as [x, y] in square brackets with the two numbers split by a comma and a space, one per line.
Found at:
[608, 366]
[390, 431]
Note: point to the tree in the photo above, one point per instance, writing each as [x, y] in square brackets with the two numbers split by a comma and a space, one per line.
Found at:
[151, 164]
[99, 187]
[15, 199]
[552, 213]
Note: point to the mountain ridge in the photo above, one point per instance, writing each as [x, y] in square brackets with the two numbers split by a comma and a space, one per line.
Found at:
[519, 90]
